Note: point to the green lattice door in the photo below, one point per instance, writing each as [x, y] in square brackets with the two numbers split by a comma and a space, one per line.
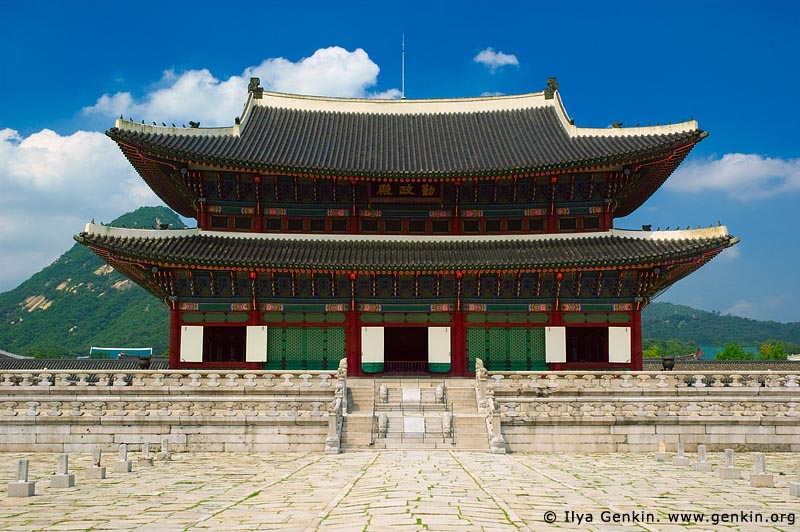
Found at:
[507, 349]
[299, 348]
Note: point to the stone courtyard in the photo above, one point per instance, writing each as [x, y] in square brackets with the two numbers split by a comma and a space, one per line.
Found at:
[401, 490]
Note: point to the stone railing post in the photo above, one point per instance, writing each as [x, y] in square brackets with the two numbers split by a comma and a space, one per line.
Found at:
[341, 384]
[481, 380]
[333, 440]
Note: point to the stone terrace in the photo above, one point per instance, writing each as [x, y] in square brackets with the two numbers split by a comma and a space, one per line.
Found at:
[392, 490]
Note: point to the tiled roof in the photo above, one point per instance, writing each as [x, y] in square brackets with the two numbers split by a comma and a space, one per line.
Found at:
[422, 139]
[651, 364]
[69, 364]
[406, 253]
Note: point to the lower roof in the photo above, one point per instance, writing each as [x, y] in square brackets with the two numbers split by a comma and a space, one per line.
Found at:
[195, 248]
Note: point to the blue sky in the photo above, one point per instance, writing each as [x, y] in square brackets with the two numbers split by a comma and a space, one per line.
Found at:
[67, 69]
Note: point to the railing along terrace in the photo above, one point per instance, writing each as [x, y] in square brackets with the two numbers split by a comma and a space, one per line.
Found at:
[169, 393]
[644, 382]
[165, 381]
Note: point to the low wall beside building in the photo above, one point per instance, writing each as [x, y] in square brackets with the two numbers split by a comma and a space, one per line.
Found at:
[633, 412]
[67, 411]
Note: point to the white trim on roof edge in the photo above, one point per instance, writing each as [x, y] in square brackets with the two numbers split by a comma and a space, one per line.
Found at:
[688, 234]
[410, 107]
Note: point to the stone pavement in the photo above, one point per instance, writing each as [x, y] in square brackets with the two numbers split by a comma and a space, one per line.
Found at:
[399, 491]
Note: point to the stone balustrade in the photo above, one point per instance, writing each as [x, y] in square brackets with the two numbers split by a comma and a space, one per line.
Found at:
[632, 411]
[644, 382]
[63, 411]
[164, 382]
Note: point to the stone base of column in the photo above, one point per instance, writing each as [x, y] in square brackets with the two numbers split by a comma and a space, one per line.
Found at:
[145, 461]
[761, 480]
[123, 466]
[729, 473]
[703, 466]
[62, 481]
[681, 461]
[96, 472]
[794, 489]
[661, 457]
[21, 489]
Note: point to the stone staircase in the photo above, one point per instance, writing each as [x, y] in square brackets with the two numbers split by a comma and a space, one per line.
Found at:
[412, 414]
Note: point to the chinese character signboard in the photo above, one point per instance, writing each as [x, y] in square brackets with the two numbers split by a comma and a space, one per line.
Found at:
[399, 192]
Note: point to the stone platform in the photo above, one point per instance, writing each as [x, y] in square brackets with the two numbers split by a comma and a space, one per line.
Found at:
[396, 490]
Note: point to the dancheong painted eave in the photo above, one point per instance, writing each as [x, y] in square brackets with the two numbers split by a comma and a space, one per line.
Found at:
[414, 139]
[208, 249]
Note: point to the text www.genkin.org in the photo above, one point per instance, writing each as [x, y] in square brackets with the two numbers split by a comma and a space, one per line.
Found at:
[643, 516]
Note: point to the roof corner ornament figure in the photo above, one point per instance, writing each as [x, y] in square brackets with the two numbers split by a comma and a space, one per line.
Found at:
[255, 88]
[552, 87]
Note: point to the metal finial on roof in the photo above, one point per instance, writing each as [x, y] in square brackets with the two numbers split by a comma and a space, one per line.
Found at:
[403, 68]
[194, 124]
[120, 117]
[154, 123]
[163, 124]
[173, 124]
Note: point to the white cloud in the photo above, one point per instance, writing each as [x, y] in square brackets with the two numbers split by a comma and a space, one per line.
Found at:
[495, 60]
[739, 175]
[730, 254]
[198, 95]
[52, 185]
[758, 310]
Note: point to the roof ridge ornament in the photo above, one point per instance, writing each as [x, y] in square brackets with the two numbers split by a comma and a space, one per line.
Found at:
[552, 87]
[254, 87]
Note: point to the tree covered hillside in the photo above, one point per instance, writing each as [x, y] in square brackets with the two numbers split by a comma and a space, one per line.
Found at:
[668, 321]
[79, 301]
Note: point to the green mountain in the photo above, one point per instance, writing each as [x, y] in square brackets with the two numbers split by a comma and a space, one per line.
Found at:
[668, 321]
[79, 301]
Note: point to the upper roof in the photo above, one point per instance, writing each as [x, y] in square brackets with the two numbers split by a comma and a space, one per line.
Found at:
[465, 137]
[217, 250]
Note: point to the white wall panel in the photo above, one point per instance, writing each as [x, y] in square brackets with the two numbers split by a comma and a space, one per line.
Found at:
[619, 344]
[555, 342]
[192, 343]
[256, 349]
[372, 344]
[439, 345]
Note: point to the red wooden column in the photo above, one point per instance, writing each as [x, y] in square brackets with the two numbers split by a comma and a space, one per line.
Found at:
[174, 336]
[636, 340]
[458, 352]
[353, 333]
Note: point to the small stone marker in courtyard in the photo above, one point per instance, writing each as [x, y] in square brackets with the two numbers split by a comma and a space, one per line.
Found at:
[96, 470]
[63, 478]
[728, 472]
[165, 454]
[681, 459]
[22, 487]
[760, 478]
[146, 459]
[123, 465]
[794, 486]
[701, 464]
[661, 455]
